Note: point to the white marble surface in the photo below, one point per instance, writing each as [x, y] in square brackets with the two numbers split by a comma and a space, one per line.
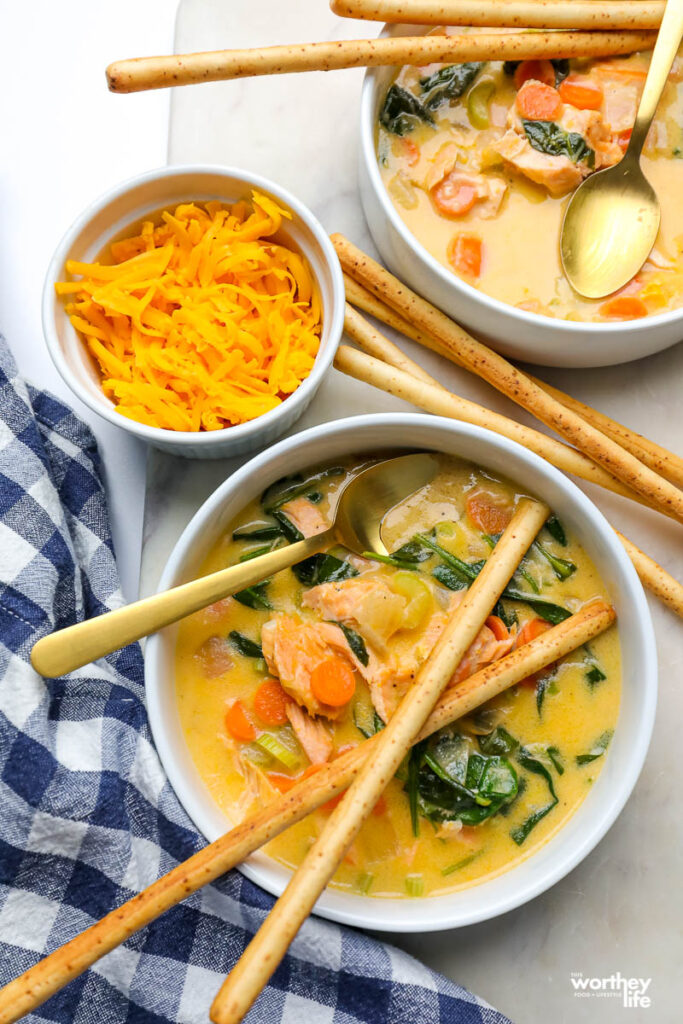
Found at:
[620, 910]
[65, 139]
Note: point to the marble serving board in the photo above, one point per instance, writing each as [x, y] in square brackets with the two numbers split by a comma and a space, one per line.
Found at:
[620, 910]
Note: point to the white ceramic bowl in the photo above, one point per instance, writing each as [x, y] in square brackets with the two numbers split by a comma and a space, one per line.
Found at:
[146, 194]
[628, 748]
[514, 332]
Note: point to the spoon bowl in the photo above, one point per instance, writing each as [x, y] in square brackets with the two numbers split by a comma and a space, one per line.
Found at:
[609, 228]
[357, 524]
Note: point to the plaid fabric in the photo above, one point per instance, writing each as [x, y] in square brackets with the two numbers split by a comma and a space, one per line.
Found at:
[87, 817]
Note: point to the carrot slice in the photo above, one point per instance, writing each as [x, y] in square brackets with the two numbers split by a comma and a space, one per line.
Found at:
[238, 723]
[380, 807]
[623, 138]
[285, 782]
[270, 703]
[333, 682]
[497, 627]
[464, 254]
[409, 151]
[621, 70]
[531, 629]
[581, 93]
[539, 102]
[623, 307]
[454, 197]
[282, 782]
[489, 513]
[539, 70]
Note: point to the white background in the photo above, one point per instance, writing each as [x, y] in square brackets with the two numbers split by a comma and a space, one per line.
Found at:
[64, 140]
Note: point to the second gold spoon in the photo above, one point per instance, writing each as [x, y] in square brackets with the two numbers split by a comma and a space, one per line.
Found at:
[612, 220]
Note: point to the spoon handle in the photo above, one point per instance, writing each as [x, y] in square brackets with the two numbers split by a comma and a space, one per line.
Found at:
[666, 47]
[70, 648]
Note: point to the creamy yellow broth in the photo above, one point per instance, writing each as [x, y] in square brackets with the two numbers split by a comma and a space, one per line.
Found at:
[520, 262]
[388, 859]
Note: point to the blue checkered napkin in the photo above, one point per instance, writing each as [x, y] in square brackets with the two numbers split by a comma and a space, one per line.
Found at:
[87, 817]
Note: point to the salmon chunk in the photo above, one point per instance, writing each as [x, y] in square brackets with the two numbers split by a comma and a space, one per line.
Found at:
[558, 174]
[311, 734]
[369, 604]
[293, 649]
[483, 650]
[306, 516]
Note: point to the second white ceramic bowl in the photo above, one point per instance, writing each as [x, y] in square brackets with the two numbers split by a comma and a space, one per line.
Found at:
[370, 434]
[514, 332]
[145, 195]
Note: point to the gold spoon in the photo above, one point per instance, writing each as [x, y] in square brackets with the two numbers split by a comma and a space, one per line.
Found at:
[612, 220]
[362, 505]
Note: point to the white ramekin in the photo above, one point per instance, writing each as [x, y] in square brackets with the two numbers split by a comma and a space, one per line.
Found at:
[146, 194]
[514, 332]
[373, 433]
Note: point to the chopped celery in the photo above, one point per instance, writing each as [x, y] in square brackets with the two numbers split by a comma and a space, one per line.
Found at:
[364, 882]
[478, 103]
[278, 750]
[415, 885]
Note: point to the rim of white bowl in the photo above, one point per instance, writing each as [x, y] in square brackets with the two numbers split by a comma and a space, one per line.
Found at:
[402, 915]
[240, 431]
[370, 85]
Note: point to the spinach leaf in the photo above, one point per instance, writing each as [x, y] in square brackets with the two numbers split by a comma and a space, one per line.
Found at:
[456, 783]
[246, 556]
[540, 760]
[450, 578]
[255, 597]
[406, 557]
[242, 644]
[456, 575]
[258, 531]
[598, 748]
[290, 487]
[528, 578]
[355, 642]
[542, 685]
[413, 551]
[520, 833]
[448, 83]
[402, 112]
[498, 742]
[548, 137]
[556, 530]
[287, 527]
[535, 758]
[562, 567]
[467, 570]
[595, 675]
[323, 568]
[553, 613]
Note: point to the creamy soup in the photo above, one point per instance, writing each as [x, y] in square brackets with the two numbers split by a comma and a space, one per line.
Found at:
[479, 160]
[289, 673]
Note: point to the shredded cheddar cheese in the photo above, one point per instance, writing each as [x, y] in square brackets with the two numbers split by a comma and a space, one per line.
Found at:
[201, 322]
